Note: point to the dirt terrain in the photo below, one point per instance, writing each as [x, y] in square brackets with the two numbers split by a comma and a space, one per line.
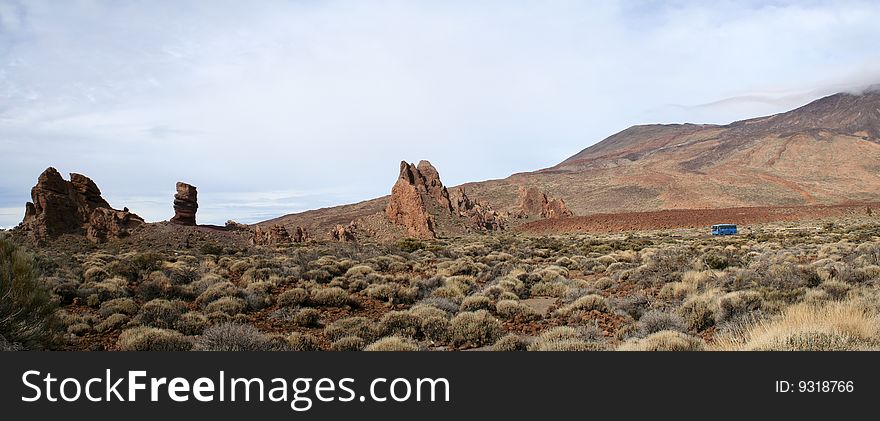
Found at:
[691, 218]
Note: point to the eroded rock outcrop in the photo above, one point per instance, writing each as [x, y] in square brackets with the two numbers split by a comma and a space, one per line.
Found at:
[276, 235]
[74, 207]
[343, 233]
[419, 200]
[478, 212]
[185, 204]
[533, 202]
[412, 194]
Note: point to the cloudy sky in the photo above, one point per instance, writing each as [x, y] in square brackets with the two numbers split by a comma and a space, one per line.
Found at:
[276, 107]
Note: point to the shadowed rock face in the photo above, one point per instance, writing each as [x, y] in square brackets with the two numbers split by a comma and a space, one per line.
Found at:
[185, 204]
[74, 207]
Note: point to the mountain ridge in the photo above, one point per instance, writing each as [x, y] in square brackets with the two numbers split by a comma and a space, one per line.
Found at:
[825, 152]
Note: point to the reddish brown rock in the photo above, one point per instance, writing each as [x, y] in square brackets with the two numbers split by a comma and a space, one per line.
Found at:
[276, 235]
[74, 207]
[479, 213]
[185, 204]
[533, 202]
[342, 233]
[408, 205]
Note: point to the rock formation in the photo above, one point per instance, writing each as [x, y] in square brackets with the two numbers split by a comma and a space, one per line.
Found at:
[416, 187]
[479, 213]
[74, 207]
[185, 204]
[343, 233]
[277, 234]
[419, 198]
[533, 202]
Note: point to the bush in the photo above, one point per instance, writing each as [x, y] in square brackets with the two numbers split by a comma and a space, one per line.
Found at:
[510, 342]
[565, 338]
[293, 297]
[654, 321]
[113, 322]
[476, 302]
[26, 311]
[393, 343]
[698, 313]
[152, 339]
[737, 304]
[834, 326]
[233, 337]
[307, 317]
[228, 305]
[348, 343]
[217, 291]
[400, 323]
[161, 313]
[331, 297]
[191, 323]
[119, 306]
[303, 342]
[361, 327]
[586, 303]
[665, 340]
[515, 310]
[474, 328]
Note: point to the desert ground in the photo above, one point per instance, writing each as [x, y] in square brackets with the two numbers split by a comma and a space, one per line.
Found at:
[806, 284]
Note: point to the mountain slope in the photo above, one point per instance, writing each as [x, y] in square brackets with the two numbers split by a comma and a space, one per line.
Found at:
[826, 152]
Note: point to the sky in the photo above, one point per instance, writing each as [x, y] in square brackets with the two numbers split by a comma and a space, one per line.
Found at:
[273, 107]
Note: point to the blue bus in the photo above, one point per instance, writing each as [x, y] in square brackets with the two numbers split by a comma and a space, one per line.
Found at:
[723, 229]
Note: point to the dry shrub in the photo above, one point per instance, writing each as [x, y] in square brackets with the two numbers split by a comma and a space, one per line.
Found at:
[359, 326]
[348, 343]
[393, 343]
[298, 341]
[307, 317]
[511, 342]
[737, 304]
[125, 306]
[227, 305]
[665, 340]
[113, 322]
[191, 323]
[217, 291]
[293, 297]
[586, 303]
[474, 328]
[400, 323]
[515, 310]
[836, 325]
[566, 338]
[698, 312]
[655, 321]
[392, 293]
[161, 313]
[26, 310]
[475, 302]
[331, 297]
[233, 337]
[152, 339]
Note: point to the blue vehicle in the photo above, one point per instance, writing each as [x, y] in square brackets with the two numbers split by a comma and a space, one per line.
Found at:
[724, 229]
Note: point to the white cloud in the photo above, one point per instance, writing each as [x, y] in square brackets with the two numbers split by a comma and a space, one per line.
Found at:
[328, 96]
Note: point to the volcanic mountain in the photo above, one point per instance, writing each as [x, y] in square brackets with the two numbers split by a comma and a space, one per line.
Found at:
[826, 152]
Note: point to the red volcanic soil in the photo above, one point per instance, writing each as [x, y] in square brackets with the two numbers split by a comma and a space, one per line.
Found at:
[690, 218]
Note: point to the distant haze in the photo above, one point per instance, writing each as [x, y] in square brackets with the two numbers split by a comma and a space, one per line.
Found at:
[278, 107]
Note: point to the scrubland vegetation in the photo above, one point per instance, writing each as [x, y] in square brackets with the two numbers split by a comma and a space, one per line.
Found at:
[770, 288]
